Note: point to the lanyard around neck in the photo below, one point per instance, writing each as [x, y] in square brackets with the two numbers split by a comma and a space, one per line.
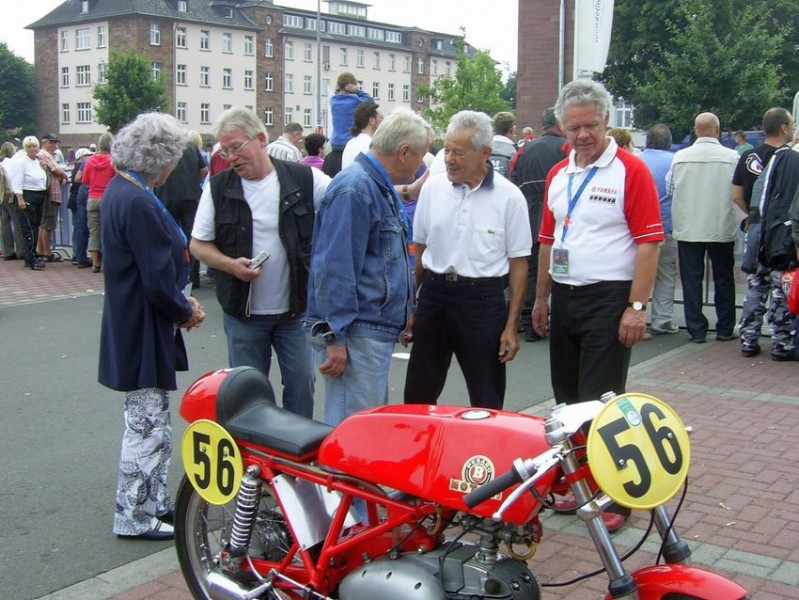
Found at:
[573, 199]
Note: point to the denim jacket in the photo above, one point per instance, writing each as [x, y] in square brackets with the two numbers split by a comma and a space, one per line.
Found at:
[360, 282]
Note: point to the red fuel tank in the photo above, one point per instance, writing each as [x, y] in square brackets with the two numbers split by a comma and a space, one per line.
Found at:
[438, 453]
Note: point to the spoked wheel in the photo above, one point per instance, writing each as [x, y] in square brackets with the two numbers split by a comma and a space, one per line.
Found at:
[202, 535]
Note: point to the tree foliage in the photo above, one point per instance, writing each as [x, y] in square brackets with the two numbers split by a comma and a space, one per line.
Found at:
[129, 90]
[17, 113]
[509, 92]
[477, 85]
[673, 59]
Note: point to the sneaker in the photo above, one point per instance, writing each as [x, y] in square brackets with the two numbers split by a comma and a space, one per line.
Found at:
[726, 338]
[670, 328]
[783, 355]
[697, 340]
[749, 350]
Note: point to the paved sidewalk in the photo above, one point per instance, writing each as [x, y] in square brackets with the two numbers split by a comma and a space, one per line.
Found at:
[741, 514]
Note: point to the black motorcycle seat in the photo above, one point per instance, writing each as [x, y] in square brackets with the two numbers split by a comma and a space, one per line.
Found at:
[245, 406]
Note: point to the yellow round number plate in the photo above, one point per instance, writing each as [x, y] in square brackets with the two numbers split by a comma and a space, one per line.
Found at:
[638, 451]
[212, 461]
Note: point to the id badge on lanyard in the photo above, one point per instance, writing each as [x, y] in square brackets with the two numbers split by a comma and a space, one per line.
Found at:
[560, 256]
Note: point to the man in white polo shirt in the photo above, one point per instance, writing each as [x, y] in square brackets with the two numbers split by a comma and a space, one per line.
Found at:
[472, 232]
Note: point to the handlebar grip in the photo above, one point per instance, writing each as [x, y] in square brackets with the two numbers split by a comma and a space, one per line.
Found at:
[492, 488]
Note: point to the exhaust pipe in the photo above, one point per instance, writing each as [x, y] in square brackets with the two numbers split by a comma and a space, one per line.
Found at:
[222, 587]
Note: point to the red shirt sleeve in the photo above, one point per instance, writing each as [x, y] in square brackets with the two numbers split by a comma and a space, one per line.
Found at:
[641, 206]
[546, 235]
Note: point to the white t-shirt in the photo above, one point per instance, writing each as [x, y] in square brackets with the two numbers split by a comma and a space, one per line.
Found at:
[270, 290]
[471, 232]
[360, 143]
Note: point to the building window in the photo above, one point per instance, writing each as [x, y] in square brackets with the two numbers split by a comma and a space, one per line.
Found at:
[406, 92]
[269, 82]
[624, 113]
[356, 31]
[448, 69]
[84, 6]
[205, 39]
[288, 116]
[289, 86]
[155, 34]
[229, 106]
[342, 57]
[391, 92]
[249, 45]
[64, 45]
[376, 60]
[434, 67]
[64, 76]
[183, 6]
[248, 79]
[269, 19]
[269, 48]
[102, 69]
[439, 44]
[307, 85]
[227, 43]
[65, 114]
[205, 76]
[155, 70]
[326, 86]
[375, 90]
[205, 113]
[392, 62]
[407, 67]
[306, 117]
[82, 41]
[420, 98]
[182, 112]
[395, 37]
[292, 21]
[308, 52]
[420, 66]
[311, 25]
[84, 112]
[180, 75]
[227, 78]
[181, 39]
[269, 116]
[289, 51]
[337, 28]
[359, 58]
[83, 75]
[102, 36]
[375, 34]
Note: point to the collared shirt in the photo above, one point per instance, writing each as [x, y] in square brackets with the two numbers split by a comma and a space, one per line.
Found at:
[471, 232]
[617, 210]
[283, 149]
[50, 164]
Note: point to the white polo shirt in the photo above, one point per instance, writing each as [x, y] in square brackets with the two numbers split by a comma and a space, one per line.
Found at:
[471, 232]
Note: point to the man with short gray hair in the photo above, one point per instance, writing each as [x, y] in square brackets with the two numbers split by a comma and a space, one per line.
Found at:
[472, 235]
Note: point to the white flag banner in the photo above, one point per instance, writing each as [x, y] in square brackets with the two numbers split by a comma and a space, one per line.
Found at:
[593, 22]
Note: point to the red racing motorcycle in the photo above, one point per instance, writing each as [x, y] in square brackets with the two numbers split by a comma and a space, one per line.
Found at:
[418, 502]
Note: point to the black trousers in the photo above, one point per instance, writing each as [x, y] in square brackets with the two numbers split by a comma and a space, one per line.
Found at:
[586, 357]
[464, 318]
[29, 220]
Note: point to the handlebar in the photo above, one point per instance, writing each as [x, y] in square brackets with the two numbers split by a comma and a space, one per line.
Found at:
[492, 488]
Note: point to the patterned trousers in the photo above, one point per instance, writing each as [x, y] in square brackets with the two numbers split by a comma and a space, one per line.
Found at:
[144, 461]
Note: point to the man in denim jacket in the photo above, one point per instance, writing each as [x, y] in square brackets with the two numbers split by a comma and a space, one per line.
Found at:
[360, 288]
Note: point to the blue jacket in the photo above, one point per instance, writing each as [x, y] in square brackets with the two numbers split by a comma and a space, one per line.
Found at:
[659, 163]
[145, 265]
[342, 111]
[360, 282]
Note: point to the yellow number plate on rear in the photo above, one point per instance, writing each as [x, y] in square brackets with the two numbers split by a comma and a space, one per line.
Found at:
[212, 461]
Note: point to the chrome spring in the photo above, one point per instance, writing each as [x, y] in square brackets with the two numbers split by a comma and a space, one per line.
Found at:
[247, 501]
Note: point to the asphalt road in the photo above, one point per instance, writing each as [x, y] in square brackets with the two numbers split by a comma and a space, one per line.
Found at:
[60, 433]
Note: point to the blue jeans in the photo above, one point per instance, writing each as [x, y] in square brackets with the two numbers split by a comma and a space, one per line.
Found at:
[691, 256]
[80, 235]
[250, 343]
[364, 383]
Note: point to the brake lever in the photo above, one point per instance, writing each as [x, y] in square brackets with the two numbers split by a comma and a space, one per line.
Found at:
[531, 470]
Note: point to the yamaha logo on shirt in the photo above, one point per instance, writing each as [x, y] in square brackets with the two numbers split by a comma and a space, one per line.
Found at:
[603, 195]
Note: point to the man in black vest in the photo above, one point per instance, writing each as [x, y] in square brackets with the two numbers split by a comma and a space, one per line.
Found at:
[261, 204]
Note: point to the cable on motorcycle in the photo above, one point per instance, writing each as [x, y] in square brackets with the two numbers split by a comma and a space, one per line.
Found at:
[671, 521]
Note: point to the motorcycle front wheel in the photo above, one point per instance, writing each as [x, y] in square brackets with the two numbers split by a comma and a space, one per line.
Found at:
[202, 535]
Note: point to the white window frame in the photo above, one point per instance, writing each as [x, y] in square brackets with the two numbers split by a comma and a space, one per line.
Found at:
[183, 6]
[269, 48]
[288, 52]
[102, 36]
[307, 52]
[83, 75]
[288, 83]
[342, 57]
[227, 43]
[376, 90]
[181, 74]
[307, 117]
[64, 36]
[406, 92]
[205, 39]
[84, 112]
[205, 76]
[376, 61]
[249, 77]
[391, 94]
[102, 70]
[155, 34]
[420, 66]
[249, 45]
[83, 39]
[359, 58]
[269, 116]
[227, 78]
[65, 114]
[182, 112]
[205, 113]
[64, 77]
[307, 85]
[181, 37]
[155, 70]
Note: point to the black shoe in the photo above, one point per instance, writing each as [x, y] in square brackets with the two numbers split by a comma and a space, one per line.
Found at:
[96, 269]
[749, 350]
[167, 517]
[697, 340]
[160, 532]
[10, 257]
[783, 356]
[84, 265]
[37, 266]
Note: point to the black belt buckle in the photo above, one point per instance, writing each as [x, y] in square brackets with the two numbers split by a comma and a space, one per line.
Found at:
[450, 277]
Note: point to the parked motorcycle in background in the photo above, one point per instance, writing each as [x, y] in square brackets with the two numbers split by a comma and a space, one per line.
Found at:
[418, 502]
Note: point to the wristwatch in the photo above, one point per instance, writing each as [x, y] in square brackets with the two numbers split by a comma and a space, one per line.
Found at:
[637, 306]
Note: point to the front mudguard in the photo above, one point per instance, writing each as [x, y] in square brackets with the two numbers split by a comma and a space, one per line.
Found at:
[655, 582]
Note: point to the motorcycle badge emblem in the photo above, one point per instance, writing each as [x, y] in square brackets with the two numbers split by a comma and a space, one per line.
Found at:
[477, 470]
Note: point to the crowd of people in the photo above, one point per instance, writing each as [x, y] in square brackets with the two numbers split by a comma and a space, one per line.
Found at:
[566, 235]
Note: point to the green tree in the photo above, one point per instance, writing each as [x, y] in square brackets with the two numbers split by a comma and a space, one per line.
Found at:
[509, 92]
[17, 114]
[672, 59]
[477, 85]
[129, 90]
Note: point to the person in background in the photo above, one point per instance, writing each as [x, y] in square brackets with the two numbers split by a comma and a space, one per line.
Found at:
[314, 150]
[623, 137]
[13, 244]
[145, 256]
[741, 145]
[366, 121]
[657, 158]
[56, 176]
[287, 146]
[342, 111]
[97, 173]
[29, 182]
[80, 224]
[360, 289]
[503, 148]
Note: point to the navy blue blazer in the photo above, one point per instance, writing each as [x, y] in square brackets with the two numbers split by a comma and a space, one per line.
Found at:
[145, 266]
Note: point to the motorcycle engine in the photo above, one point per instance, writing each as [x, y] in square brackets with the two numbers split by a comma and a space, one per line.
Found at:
[450, 572]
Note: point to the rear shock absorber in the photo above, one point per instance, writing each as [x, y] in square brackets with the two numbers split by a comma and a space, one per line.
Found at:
[247, 501]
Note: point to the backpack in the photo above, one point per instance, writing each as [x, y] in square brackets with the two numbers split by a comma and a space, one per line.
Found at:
[501, 154]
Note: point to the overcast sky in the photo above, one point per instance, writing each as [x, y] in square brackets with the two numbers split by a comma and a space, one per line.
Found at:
[491, 26]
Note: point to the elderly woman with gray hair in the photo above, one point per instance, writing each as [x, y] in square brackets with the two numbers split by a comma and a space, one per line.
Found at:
[145, 260]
